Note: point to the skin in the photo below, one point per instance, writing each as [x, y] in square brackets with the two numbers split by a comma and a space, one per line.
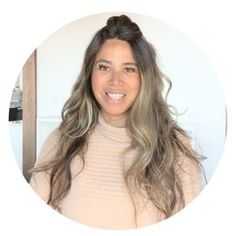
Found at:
[115, 80]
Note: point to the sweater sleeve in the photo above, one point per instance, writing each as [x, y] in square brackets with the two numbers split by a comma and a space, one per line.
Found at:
[40, 180]
[189, 173]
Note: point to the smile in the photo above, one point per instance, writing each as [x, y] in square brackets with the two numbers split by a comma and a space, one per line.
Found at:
[115, 96]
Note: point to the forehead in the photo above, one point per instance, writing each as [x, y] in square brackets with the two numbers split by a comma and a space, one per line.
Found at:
[114, 49]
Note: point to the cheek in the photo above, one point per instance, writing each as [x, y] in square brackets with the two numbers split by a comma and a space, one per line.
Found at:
[96, 83]
[135, 85]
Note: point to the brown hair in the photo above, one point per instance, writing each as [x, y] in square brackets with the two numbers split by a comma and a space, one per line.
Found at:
[150, 123]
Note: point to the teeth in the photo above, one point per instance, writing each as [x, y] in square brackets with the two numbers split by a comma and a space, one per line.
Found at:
[115, 96]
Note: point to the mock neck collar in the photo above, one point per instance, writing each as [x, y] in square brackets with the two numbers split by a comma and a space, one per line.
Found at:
[114, 133]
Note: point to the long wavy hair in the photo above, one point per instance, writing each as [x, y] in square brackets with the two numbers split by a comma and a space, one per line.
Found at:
[150, 124]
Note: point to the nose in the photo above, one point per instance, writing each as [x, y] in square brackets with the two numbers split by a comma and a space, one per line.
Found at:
[116, 78]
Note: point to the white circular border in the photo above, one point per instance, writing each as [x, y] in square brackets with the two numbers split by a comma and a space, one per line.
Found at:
[24, 25]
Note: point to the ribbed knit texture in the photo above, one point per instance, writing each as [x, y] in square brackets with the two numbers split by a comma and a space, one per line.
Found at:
[98, 196]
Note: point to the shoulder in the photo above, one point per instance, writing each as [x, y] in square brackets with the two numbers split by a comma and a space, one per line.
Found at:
[183, 138]
[188, 167]
[49, 146]
[187, 158]
[53, 137]
[40, 179]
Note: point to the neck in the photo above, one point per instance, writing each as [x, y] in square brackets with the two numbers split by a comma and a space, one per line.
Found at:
[118, 121]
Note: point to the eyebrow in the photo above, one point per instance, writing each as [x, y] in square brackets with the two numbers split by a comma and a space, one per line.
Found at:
[104, 61]
[130, 63]
[110, 63]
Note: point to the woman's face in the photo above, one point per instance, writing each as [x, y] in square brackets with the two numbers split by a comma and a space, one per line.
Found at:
[115, 79]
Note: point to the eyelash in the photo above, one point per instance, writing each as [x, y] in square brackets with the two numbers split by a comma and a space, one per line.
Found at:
[107, 68]
[129, 69]
[103, 67]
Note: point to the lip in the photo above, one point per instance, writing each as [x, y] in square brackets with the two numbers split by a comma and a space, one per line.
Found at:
[115, 96]
[115, 91]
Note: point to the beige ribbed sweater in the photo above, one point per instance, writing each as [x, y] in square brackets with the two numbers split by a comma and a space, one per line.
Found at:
[98, 196]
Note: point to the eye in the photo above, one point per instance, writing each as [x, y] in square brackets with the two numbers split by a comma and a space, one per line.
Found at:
[103, 67]
[130, 69]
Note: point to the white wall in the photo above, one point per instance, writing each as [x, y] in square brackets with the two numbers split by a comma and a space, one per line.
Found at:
[195, 86]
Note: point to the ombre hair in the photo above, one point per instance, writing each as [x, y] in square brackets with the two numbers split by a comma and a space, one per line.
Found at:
[155, 135]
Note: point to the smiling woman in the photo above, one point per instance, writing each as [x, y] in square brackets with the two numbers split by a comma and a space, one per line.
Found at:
[118, 159]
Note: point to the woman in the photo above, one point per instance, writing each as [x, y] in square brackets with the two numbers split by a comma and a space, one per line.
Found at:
[118, 159]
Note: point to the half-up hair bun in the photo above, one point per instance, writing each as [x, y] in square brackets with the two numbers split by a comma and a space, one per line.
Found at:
[121, 27]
